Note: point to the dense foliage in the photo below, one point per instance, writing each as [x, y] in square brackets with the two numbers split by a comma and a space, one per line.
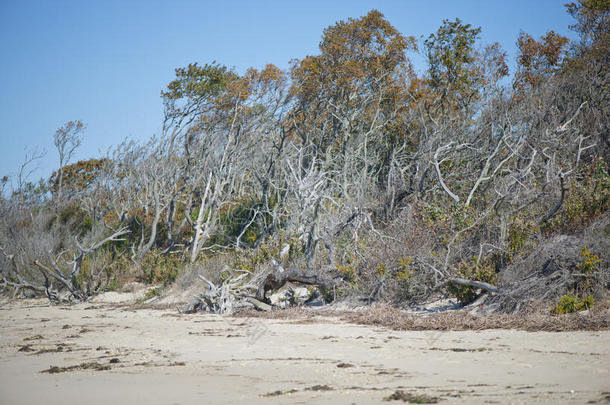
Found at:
[403, 184]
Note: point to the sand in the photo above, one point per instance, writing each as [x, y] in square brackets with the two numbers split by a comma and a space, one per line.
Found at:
[108, 354]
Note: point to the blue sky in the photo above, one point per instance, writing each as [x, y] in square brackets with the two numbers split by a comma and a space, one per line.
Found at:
[105, 62]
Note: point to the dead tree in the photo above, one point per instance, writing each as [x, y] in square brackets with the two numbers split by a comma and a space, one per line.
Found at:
[65, 268]
[66, 139]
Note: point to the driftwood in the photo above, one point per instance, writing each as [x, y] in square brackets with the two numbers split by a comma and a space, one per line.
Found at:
[223, 299]
[250, 291]
[258, 304]
[277, 276]
[477, 284]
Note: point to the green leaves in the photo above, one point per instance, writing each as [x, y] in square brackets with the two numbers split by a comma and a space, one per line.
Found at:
[196, 81]
[450, 54]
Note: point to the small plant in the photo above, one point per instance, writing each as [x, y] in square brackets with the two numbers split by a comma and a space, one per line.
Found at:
[588, 268]
[348, 271]
[484, 271]
[328, 295]
[571, 303]
[404, 268]
[153, 292]
[589, 262]
[160, 268]
[581, 298]
[381, 270]
[587, 274]
[518, 235]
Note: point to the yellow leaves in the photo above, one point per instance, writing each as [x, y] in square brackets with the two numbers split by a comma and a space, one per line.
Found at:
[404, 268]
[589, 261]
[380, 269]
[570, 303]
[348, 271]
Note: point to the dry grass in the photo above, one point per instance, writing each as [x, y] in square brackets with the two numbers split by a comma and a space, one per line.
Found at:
[392, 318]
[389, 317]
[83, 366]
[292, 313]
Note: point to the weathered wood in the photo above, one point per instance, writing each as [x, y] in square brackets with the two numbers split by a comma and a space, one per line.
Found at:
[247, 289]
[477, 284]
[327, 278]
[258, 304]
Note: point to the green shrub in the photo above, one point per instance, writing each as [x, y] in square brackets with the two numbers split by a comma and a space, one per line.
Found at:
[348, 272]
[404, 271]
[469, 270]
[571, 303]
[589, 262]
[582, 296]
[250, 259]
[586, 199]
[589, 267]
[73, 218]
[519, 234]
[160, 268]
[153, 292]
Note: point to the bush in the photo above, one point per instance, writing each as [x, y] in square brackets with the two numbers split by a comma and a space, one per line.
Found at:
[250, 259]
[484, 271]
[587, 198]
[519, 233]
[589, 262]
[160, 268]
[589, 278]
[73, 219]
[571, 303]
[582, 298]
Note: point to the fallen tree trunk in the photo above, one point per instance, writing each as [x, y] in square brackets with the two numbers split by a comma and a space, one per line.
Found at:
[448, 278]
[261, 306]
[241, 292]
[277, 276]
[477, 284]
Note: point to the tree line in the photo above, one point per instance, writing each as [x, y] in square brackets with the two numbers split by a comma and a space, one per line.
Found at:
[348, 164]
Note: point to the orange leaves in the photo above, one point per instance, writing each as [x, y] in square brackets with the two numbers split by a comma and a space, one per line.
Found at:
[554, 47]
[545, 53]
[79, 175]
[540, 58]
[271, 78]
[352, 52]
[371, 38]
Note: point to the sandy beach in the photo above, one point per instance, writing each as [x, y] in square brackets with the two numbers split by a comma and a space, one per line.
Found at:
[98, 353]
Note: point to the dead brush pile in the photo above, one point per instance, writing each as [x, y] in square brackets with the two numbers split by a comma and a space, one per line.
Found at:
[395, 319]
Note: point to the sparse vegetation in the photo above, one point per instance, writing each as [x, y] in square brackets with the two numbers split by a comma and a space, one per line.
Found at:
[410, 398]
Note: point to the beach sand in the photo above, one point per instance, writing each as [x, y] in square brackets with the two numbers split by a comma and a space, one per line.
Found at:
[107, 354]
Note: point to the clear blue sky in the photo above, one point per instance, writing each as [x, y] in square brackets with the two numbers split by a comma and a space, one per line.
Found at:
[105, 62]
